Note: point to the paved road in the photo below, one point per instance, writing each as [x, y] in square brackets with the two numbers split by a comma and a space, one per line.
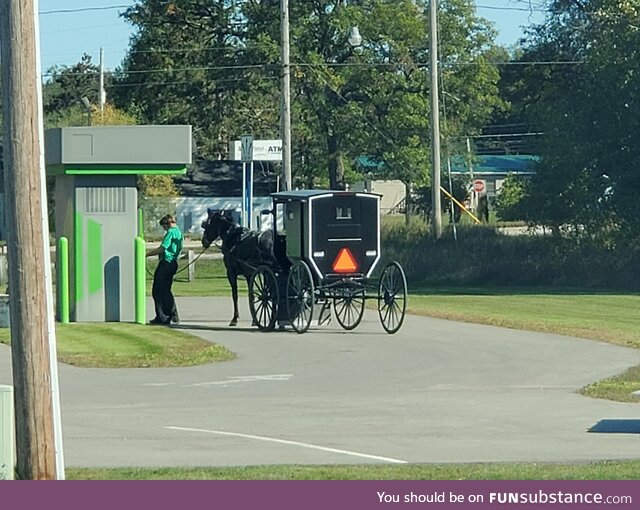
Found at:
[438, 391]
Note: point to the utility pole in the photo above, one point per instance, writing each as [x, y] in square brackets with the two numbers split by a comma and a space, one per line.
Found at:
[103, 94]
[31, 301]
[435, 123]
[474, 195]
[285, 100]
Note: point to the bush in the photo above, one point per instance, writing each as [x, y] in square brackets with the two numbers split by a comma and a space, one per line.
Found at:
[483, 256]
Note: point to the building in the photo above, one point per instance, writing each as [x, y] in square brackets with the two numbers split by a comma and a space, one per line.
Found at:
[493, 169]
[217, 184]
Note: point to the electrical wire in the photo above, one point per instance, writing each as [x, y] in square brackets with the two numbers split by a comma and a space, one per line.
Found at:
[85, 9]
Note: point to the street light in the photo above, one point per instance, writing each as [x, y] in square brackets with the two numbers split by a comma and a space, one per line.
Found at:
[87, 104]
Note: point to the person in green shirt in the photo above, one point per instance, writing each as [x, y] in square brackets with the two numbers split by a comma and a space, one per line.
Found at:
[168, 253]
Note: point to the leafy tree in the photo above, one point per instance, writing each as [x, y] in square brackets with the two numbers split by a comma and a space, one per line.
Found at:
[375, 100]
[215, 64]
[509, 200]
[589, 109]
[66, 87]
[183, 68]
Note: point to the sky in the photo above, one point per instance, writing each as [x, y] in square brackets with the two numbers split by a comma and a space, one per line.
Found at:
[66, 35]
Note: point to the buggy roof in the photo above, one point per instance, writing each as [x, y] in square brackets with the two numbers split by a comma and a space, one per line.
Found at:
[305, 194]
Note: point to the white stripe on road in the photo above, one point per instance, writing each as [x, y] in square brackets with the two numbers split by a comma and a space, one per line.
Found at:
[245, 378]
[293, 443]
[229, 380]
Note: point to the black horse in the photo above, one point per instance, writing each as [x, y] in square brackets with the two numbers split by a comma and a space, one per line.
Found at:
[243, 250]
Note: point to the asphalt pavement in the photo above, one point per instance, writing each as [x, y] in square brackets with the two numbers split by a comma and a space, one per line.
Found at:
[438, 391]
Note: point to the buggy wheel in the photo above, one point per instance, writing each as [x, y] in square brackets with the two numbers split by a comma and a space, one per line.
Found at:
[392, 297]
[348, 304]
[300, 296]
[263, 298]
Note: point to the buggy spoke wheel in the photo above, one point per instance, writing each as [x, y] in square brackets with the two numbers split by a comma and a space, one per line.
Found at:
[392, 297]
[300, 297]
[263, 298]
[348, 304]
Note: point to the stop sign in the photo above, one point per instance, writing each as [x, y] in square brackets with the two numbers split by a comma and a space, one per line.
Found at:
[479, 185]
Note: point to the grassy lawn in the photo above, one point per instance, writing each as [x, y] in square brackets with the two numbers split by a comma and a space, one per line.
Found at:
[120, 345]
[210, 279]
[610, 318]
[608, 470]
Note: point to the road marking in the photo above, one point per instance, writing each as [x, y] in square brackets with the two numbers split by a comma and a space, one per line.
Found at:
[293, 443]
[244, 378]
[229, 380]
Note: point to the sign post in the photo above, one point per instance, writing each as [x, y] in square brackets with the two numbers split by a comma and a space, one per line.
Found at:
[246, 148]
[479, 185]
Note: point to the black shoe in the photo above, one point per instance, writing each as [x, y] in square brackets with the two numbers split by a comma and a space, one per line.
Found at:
[158, 322]
[175, 319]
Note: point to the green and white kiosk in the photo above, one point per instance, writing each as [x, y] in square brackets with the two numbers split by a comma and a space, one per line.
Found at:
[96, 212]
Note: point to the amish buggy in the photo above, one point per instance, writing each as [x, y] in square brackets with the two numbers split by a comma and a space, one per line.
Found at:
[320, 253]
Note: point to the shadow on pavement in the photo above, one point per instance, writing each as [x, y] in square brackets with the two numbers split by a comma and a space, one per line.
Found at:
[617, 426]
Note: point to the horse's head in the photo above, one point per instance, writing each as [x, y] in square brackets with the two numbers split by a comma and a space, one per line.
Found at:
[211, 227]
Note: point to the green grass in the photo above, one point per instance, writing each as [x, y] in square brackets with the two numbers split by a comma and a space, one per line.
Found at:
[607, 470]
[210, 279]
[607, 317]
[120, 345]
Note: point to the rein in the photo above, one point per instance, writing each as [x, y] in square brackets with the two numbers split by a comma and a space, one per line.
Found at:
[193, 261]
[185, 267]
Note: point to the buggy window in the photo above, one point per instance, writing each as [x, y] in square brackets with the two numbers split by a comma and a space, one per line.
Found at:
[280, 219]
[343, 213]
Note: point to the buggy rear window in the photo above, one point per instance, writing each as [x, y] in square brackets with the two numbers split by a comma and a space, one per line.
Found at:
[343, 213]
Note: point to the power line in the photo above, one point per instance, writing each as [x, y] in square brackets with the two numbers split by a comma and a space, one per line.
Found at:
[85, 9]
[324, 65]
[184, 82]
[524, 9]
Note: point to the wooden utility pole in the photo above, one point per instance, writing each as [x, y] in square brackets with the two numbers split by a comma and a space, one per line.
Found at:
[285, 92]
[24, 208]
[435, 121]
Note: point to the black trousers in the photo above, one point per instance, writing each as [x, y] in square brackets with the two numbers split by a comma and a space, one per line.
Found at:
[163, 299]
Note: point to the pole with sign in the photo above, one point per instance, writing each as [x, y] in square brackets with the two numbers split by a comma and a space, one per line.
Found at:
[479, 185]
[246, 150]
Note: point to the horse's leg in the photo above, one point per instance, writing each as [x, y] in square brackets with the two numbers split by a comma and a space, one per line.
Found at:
[248, 277]
[233, 281]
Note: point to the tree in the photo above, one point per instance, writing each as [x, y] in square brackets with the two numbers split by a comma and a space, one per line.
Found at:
[509, 200]
[183, 67]
[66, 87]
[215, 65]
[589, 109]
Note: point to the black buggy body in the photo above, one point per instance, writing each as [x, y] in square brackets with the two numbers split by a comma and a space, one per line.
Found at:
[326, 247]
[336, 233]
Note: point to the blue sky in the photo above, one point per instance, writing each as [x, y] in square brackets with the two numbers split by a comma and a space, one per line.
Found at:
[66, 35]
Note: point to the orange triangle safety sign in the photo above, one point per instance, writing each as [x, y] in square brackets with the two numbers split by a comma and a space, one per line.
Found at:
[345, 262]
